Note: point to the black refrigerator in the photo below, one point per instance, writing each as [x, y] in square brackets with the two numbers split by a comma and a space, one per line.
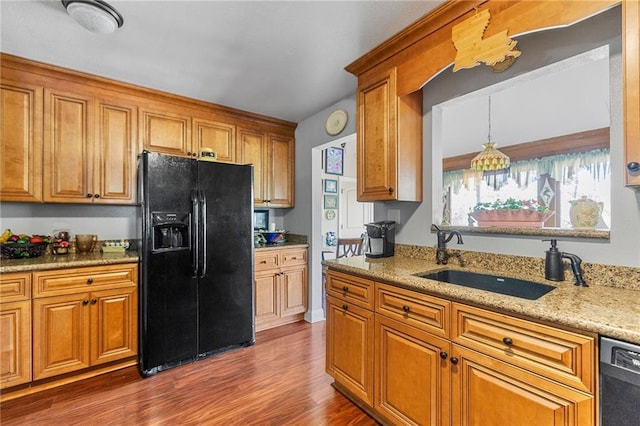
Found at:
[196, 260]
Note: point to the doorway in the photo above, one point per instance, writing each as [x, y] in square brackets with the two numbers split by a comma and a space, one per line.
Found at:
[349, 218]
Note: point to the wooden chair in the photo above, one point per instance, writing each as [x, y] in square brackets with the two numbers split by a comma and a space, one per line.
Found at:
[348, 247]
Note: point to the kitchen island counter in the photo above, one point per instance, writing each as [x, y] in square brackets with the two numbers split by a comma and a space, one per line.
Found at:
[72, 260]
[602, 309]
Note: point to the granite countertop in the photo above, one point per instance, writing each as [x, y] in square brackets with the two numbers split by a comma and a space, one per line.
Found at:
[286, 244]
[72, 260]
[609, 311]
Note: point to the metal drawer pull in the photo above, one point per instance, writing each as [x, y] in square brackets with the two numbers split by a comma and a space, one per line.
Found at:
[345, 307]
[405, 308]
[507, 341]
[345, 288]
[89, 281]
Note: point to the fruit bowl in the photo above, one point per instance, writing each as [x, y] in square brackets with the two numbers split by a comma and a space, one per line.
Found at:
[22, 250]
[274, 237]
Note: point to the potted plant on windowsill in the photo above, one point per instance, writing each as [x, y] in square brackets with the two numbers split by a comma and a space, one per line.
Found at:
[512, 212]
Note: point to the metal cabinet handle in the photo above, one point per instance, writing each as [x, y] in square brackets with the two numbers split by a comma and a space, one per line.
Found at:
[94, 301]
[507, 341]
[406, 308]
[85, 302]
[390, 190]
[345, 307]
[444, 355]
[633, 167]
[89, 281]
[96, 195]
[89, 195]
[345, 288]
[454, 360]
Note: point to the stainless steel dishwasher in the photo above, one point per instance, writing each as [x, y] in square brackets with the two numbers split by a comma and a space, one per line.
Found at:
[619, 383]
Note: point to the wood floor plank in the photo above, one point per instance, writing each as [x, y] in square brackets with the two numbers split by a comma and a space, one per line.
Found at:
[278, 381]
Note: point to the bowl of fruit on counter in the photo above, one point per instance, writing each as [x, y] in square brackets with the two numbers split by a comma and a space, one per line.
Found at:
[22, 246]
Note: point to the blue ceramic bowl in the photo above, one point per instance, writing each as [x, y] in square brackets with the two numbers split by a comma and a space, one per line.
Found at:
[274, 237]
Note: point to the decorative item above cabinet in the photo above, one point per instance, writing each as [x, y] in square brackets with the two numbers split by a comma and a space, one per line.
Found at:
[393, 73]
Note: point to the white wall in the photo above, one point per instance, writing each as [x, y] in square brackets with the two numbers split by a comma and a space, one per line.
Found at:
[108, 222]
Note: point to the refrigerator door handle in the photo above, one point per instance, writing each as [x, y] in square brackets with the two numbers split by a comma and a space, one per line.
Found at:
[203, 221]
[195, 226]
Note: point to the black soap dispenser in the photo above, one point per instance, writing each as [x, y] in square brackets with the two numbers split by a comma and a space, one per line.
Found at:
[553, 265]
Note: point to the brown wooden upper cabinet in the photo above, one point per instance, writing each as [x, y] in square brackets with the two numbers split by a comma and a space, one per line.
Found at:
[166, 128]
[631, 47]
[217, 136]
[69, 137]
[89, 148]
[389, 140]
[272, 156]
[20, 141]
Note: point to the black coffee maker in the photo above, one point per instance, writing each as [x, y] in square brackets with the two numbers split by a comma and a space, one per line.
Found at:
[381, 238]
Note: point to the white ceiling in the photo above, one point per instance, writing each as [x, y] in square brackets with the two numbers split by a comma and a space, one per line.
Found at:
[283, 59]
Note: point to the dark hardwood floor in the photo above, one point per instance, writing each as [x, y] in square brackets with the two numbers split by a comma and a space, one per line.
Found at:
[278, 381]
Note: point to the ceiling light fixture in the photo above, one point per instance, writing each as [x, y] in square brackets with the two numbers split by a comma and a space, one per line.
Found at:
[95, 15]
[490, 159]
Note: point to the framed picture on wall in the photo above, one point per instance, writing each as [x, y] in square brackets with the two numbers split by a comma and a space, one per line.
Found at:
[330, 201]
[334, 161]
[331, 186]
[260, 219]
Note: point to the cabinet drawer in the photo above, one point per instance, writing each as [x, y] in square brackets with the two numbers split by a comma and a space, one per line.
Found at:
[356, 290]
[412, 308]
[293, 257]
[69, 281]
[556, 354]
[15, 286]
[266, 260]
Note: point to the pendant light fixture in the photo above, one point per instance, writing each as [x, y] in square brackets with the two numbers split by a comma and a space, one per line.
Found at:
[95, 15]
[490, 159]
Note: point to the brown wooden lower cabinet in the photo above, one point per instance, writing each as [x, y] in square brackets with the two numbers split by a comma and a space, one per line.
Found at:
[281, 286]
[15, 329]
[493, 393]
[420, 377]
[81, 320]
[349, 358]
[413, 380]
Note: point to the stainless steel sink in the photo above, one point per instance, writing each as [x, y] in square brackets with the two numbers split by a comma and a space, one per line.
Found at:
[494, 283]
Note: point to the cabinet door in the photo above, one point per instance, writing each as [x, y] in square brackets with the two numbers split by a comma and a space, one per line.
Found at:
[164, 130]
[281, 171]
[631, 45]
[267, 298]
[294, 291]
[412, 378]
[377, 145]
[15, 343]
[114, 325]
[219, 137]
[349, 358]
[67, 147]
[60, 335]
[253, 151]
[115, 153]
[20, 142]
[489, 392]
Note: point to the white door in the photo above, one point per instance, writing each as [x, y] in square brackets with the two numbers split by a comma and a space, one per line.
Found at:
[352, 214]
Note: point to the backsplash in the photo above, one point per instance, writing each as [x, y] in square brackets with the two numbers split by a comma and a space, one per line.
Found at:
[594, 273]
